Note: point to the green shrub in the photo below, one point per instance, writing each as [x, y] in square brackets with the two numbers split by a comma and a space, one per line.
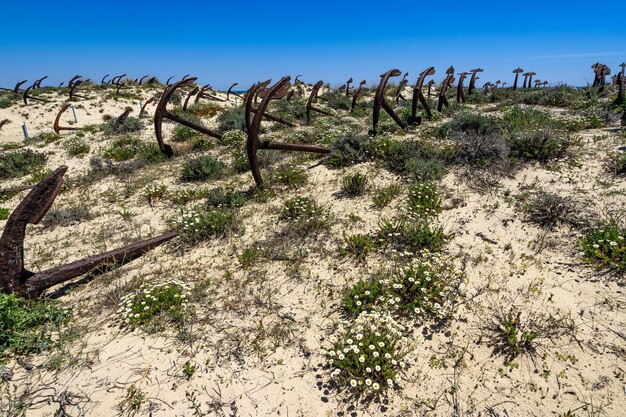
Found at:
[291, 176]
[358, 245]
[412, 235]
[605, 246]
[19, 163]
[354, 184]
[166, 299]
[197, 225]
[615, 163]
[123, 148]
[154, 192]
[425, 170]
[232, 119]
[4, 213]
[131, 124]
[202, 168]
[305, 216]
[27, 326]
[466, 123]
[366, 354]
[76, 147]
[424, 200]
[549, 210]
[348, 150]
[381, 197]
[363, 296]
[221, 198]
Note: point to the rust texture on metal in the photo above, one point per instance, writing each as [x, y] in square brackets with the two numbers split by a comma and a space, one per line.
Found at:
[601, 71]
[312, 97]
[418, 97]
[348, 86]
[57, 127]
[356, 94]
[380, 102]
[16, 279]
[37, 84]
[73, 80]
[443, 99]
[253, 118]
[161, 113]
[460, 94]
[473, 78]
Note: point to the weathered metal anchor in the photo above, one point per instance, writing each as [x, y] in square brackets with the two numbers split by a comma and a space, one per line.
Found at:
[144, 105]
[189, 95]
[474, 77]
[102, 81]
[58, 128]
[620, 89]
[161, 112]
[400, 88]
[443, 99]
[309, 103]
[73, 87]
[418, 96]
[517, 72]
[253, 118]
[37, 84]
[25, 95]
[230, 91]
[348, 87]
[16, 279]
[380, 102]
[460, 94]
[203, 94]
[356, 95]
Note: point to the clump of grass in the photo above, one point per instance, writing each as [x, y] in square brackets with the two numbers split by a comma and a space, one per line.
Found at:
[355, 184]
[348, 150]
[291, 176]
[424, 200]
[132, 401]
[4, 213]
[123, 148]
[232, 119]
[27, 326]
[605, 246]
[366, 355]
[424, 170]
[76, 146]
[548, 210]
[357, 245]
[154, 192]
[381, 197]
[305, 216]
[615, 163]
[131, 124]
[196, 225]
[466, 123]
[66, 216]
[167, 299]
[427, 287]
[221, 198]
[183, 133]
[202, 168]
[249, 256]
[407, 234]
[19, 163]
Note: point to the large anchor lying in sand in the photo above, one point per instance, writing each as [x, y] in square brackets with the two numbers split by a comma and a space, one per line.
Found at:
[15, 279]
[418, 96]
[253, 118]
[161, 112]
[380, 102]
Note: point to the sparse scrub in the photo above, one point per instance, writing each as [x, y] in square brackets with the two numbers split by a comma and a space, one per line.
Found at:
[305, 216]
[202, 168]
[232, 119]
[167, 299]
[357, 245]
[381, 197]
[19, 163]
[354, 185]
[348, 150]
[412, 235]
[615, 164]
[605, 246]
[424, 200]
[66, 216]
[76, 146]
[196, 225]
[366, 356]
[548, 210]
[291, 176]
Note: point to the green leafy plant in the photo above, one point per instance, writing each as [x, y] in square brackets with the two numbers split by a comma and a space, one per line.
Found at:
[424, 200]
[197, 225]
[16, 164]
[291, 176]
[366, 355]
[76, 146]
[4, 213]
[189, 368]
[354, 184]
[202, 168]
[358, 245]
[407, 234]
[154, 300]
[605, 246]
[381, 197]
[305, 216]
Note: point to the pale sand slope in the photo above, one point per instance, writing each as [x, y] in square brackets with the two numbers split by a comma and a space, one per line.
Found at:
[257, 332]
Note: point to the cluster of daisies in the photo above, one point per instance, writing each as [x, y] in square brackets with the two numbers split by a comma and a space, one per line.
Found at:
[606, 246]
[424, 200]
[367, 354]
[151, 300]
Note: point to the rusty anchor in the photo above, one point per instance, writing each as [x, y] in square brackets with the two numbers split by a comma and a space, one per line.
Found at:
[102, 81]
[141, 79]
[230, 91]
[400, 88]
[167, 83]
[473, 78]
[443, 100]
[530, 78]
[189, 95]
[312, 97]
[517, 72]
[16, 279]
[356, 95]
[3, 122]
[58, 128]
[418, 96]
[161, 113]
[380, 102]
[348, 87]
[73, 87]
[460, 94]
[203, 94]
[144, 105]
[620, 89]
[37, 84]
[25, 95]
[253, 118]
[16, 89]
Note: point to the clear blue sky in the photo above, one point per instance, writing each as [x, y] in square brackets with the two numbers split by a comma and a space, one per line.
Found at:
[227, 41]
